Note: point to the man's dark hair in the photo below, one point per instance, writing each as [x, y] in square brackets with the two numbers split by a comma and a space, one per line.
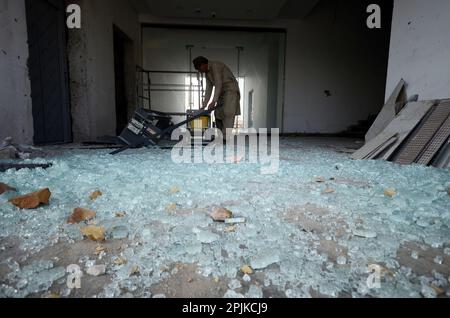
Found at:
[199, 61]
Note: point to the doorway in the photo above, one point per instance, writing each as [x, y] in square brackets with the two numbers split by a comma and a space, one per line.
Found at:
[48, 71]
[255, 56]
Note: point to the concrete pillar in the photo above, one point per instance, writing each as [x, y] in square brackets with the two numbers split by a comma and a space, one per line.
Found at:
[16, 119]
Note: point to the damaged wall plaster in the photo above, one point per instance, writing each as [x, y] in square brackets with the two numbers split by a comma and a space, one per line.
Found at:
[91, 60]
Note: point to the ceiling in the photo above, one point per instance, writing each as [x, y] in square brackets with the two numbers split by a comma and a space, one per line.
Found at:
[226, 9]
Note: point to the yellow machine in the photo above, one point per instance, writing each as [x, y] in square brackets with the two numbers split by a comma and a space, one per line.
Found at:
[202, 123]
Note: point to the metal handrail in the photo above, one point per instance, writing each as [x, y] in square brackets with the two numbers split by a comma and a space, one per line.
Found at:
[144, 89]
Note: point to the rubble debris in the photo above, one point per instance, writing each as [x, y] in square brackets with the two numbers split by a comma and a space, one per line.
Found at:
[52, 296]
[235, 221]
[99, 250]
[8, 166]
[171, 207]
[119, 261]
[429, 292]
[247, 270]
[254, 292]
[230, 229]
[35, 278]
[97, 270]
[121, 214]
[391, 192]
[11, 150]
[174, 190]
[341, 260]
[9, 153]
[160, 239]
[365, 234]
[221, 214]
[439, 291]
[5, 188]
[32, 200]
[119, 232]
[94, 233]
[91, 222]
[235, 284]
[95, 195]
[439, 260]
[231, 294]
[80, 215]
[135, 271]
[207, 237]
[385, 272]
[7, 150]
[264, 261]
[6, 142]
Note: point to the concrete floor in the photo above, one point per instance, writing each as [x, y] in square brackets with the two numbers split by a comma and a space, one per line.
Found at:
[312, 230]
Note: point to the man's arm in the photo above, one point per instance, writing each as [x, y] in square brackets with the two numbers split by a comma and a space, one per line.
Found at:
[218, 76]
[208, 93]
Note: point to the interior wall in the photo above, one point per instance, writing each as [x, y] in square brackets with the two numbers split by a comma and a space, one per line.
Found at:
[166, 49]
[420, 48]
[16, 119]
[331, 50]
[91, 60]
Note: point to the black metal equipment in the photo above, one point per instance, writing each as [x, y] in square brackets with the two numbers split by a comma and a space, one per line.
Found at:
[148, 128]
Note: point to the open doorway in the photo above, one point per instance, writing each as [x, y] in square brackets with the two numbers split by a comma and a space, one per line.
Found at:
[123, 66]
[255, 56]
[48, 71]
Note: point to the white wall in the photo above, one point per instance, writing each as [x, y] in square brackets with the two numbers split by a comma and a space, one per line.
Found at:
[91, 55]
[331, 50]
[16, 118]
[420, 48]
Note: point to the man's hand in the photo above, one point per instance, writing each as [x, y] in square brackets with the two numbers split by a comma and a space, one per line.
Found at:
[212, 105]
